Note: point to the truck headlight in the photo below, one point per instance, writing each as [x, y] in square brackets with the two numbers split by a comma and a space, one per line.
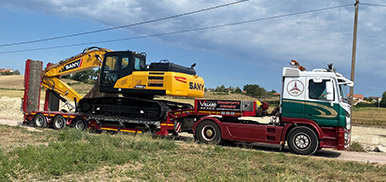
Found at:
[348, 123]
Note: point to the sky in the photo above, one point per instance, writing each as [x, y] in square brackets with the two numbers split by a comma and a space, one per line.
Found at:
[251, 53]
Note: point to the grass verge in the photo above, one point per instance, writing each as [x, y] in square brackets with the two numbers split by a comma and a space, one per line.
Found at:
[356, 147]
[73, 155]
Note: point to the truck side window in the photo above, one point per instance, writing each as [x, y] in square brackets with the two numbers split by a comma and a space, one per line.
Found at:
[317, 90]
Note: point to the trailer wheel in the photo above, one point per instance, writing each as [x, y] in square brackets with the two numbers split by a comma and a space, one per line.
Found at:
[80, 123]
[303, 140]
[39, 120]
[59, 122]
[208, 132]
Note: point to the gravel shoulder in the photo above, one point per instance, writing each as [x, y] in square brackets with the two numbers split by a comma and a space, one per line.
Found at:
[368, 135]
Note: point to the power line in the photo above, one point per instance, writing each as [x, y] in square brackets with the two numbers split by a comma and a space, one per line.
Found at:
[123, 26]
[369, 4]
[183, 31]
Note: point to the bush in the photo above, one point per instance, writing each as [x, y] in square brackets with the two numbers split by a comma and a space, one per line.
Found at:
[356, 147]
[366, 104]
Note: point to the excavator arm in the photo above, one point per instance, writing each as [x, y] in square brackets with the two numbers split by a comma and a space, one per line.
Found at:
[90, 58]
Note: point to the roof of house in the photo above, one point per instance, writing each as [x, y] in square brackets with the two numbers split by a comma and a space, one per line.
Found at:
[5, 70]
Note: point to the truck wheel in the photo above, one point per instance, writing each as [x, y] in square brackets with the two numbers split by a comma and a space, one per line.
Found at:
[303, 140]
[59, 122]
[80, 123]
[40, 121]
[208, 132]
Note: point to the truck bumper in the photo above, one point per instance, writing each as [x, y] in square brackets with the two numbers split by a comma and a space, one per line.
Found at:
[344, 139]
[338, 138]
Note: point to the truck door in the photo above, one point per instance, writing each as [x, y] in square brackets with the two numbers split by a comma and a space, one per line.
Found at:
[318, 106]
[293, 97]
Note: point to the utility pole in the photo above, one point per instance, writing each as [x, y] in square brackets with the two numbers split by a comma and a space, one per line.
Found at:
[354, 49]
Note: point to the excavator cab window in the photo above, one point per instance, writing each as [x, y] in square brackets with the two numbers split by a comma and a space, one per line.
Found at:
[120, 64]
[137, 64]
[125, 63]
[110, 71]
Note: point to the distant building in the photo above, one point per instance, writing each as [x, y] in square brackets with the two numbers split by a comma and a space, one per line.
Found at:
[358, 97]
[6, 70]
[277, 94]
[374, 99]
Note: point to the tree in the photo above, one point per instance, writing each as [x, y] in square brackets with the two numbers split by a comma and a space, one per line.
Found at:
[220, 89]
[17, 72]
[383, 101]
[231, 89]
[254, 90]
[238, 90]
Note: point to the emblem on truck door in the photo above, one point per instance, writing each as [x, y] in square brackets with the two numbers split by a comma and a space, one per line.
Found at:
[295, 88]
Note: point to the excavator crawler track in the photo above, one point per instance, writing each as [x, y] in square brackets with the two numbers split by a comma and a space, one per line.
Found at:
[128, 109]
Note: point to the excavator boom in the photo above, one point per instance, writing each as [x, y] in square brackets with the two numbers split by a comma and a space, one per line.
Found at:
[90, 58]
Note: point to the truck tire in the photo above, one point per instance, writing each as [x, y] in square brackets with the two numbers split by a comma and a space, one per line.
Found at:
[208, 132]
[59, 122]
[303, 140]
[39, 121]
[80, 123]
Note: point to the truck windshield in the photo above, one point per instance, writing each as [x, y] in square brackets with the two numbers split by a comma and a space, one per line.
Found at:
[343, 93]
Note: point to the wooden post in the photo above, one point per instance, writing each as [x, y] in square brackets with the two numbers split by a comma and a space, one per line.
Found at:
[354, 47]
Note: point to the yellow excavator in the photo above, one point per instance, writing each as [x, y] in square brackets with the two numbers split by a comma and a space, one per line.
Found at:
[125, 73]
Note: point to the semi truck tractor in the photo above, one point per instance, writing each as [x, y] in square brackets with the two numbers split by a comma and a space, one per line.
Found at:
[313, 113]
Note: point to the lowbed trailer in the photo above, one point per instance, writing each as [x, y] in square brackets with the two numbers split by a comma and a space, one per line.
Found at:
[52, 116]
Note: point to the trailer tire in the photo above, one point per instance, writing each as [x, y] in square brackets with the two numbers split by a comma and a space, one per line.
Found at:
[39, 120]
[59, 122]
[303, 140]
[80, 124]
[208, 132]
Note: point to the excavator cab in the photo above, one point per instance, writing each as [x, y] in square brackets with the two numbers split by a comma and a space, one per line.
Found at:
[120, 64]
[126, 73]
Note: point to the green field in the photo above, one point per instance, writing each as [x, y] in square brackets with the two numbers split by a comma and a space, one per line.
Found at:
[369, 116]
[71, 155]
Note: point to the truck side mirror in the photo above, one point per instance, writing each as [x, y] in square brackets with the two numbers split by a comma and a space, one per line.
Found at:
[329, 91]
